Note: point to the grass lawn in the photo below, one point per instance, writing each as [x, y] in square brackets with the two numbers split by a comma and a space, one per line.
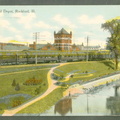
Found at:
[80, 71]
[17, 68]
[6, 87]
[44, 104]
[85, 70]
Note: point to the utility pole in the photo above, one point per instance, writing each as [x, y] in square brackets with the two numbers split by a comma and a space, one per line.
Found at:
[87, 57]
[36, 37]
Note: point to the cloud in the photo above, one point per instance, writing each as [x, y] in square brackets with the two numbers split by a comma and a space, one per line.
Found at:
[95, 42]
[85, 19]
[44, 25]
[26, 20]
[5, 39]
[92, 42]
[6, 24]
[19, 38]
[88, 33]
[79, 40]
[46, 36]
[63, 21]
[1, 14]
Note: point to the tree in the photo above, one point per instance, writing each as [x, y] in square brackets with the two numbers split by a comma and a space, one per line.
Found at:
[17, 88]
[113, 26]
[37, 90]
[14, 83]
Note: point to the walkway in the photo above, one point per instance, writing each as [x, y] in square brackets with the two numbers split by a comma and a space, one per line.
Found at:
[51, 87]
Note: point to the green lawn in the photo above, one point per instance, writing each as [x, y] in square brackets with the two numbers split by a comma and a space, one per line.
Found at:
[98, 68]
[6, 81]
[6, 87]
[44, 104]
[17, 68]
[82, 70]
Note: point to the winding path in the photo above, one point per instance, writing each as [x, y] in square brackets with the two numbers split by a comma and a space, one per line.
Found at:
[51, 87]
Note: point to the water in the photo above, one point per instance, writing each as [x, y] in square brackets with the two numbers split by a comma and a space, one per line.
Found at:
[102, 101]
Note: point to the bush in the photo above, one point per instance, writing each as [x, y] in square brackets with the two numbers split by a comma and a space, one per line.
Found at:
[32, 81]
[14, 83]
[17, 101]
[17, 88]
[37, 90]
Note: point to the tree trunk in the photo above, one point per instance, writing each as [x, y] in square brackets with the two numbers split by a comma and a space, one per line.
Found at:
[116, 61]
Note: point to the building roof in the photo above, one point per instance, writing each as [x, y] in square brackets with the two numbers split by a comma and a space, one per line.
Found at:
[62, 31]
[92, 46]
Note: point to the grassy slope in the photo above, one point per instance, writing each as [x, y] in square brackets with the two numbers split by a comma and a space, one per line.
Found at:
[100, 68]
[17, 68]
[44, 104]
[7, 89]
[6, 81]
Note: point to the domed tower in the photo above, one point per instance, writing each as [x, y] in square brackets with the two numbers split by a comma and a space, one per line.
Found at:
[63, 40]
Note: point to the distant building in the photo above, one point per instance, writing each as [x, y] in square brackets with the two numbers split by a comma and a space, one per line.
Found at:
[13, 46]
[77, 47]
[48, 47]
[91, 47]
[33, 46]
[63, 40]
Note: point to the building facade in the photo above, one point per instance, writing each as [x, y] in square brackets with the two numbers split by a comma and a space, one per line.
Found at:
[91, 48]
[63, 40]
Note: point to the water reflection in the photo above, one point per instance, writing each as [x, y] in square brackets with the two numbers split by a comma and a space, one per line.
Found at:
[63, 106]
[113, 102]
[102, 100]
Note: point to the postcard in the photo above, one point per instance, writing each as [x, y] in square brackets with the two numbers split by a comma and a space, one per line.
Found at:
[59, 60]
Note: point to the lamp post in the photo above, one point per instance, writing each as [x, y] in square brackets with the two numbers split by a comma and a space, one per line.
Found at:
[36, 37]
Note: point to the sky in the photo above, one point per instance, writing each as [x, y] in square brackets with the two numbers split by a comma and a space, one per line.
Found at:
[83, 21]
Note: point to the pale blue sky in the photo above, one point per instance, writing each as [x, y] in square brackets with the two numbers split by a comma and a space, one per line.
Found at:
[81, 20]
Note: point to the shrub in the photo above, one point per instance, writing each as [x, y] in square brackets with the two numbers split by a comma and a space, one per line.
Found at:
[32, 81]
[37, 90]
[14, 83]
[17, 101]
[17, 88]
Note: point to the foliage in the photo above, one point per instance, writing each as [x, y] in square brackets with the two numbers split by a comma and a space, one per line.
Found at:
[44, 104]
[17, 101]
[113, 43]
[17, 88]
[99, 68]
[14, 83]
[32, 81]
[37, 90]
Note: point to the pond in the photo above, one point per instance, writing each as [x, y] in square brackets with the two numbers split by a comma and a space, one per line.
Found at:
[101, 101]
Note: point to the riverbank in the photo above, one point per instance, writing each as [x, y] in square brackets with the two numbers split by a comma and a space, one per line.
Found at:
[77, 88]
[51, 88]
